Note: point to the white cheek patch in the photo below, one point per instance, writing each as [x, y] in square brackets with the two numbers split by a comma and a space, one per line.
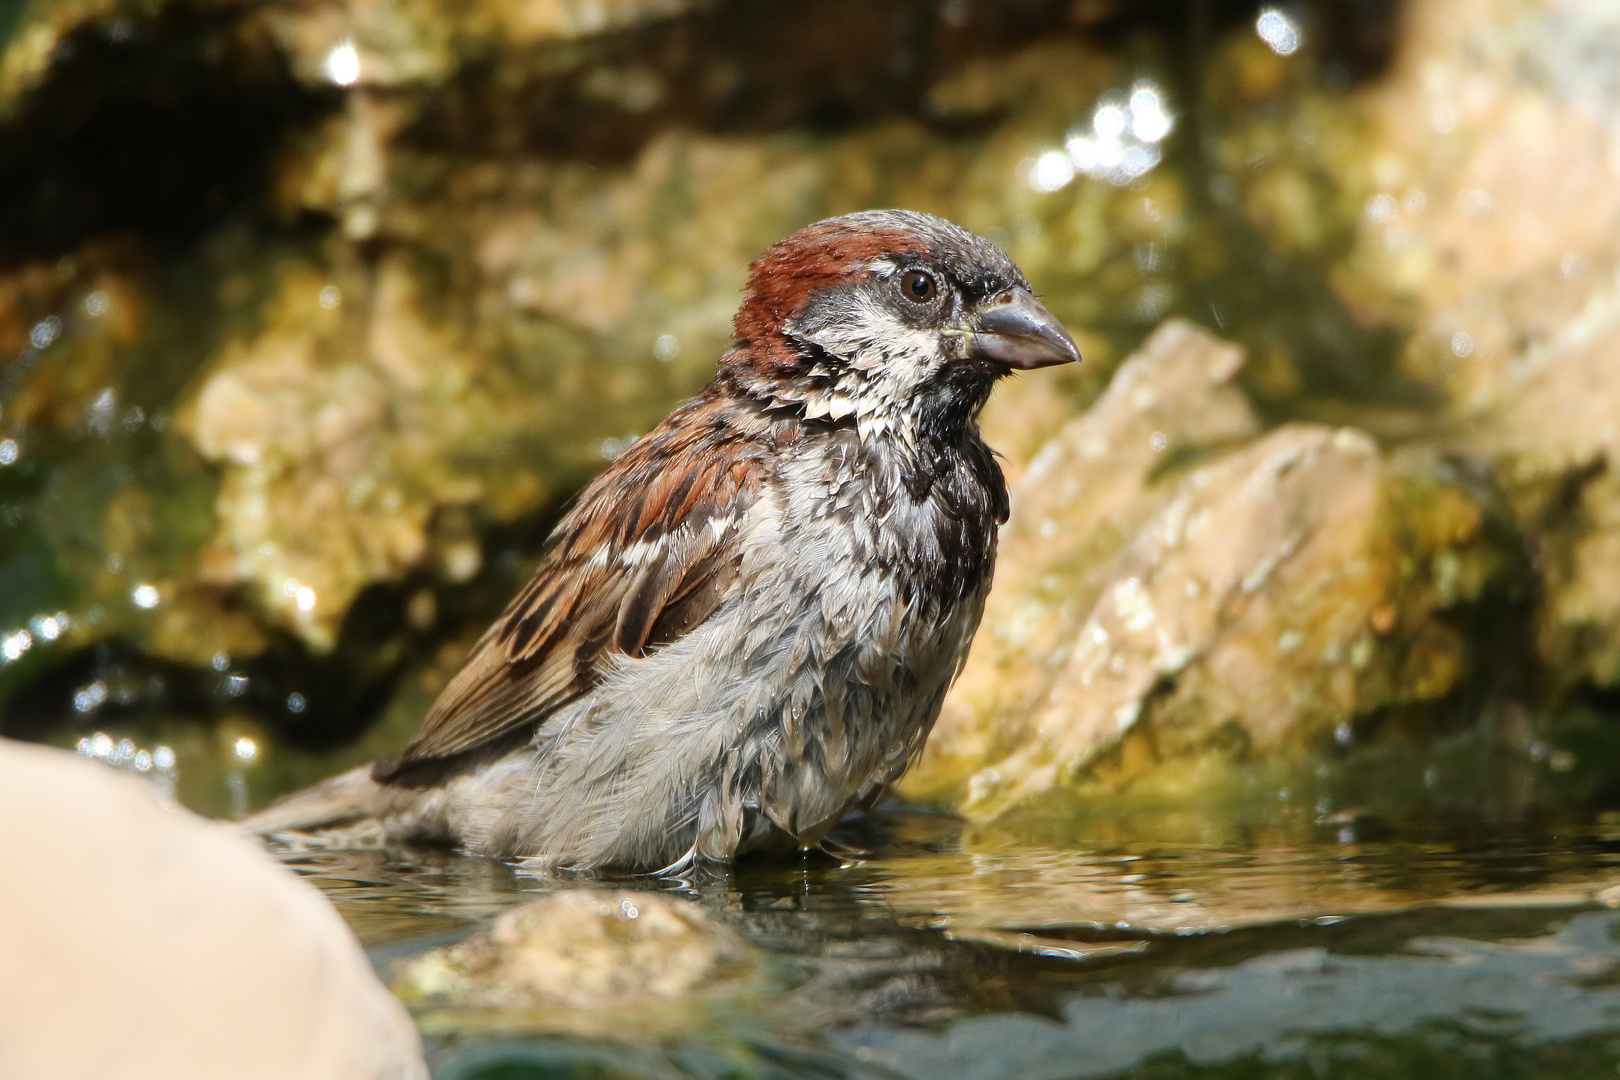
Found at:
[871, 339]
[882, 363]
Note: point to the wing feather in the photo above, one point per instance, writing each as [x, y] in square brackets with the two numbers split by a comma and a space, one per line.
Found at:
[646, 555]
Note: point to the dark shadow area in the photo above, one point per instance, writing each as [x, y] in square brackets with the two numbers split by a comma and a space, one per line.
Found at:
[162, 127]
[741, 67]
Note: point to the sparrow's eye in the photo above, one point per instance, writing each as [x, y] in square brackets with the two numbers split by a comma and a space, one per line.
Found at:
[918, 286]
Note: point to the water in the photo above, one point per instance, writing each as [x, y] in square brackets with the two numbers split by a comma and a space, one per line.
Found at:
[949, 952]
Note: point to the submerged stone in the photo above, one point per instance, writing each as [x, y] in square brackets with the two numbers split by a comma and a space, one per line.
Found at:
[583, 949]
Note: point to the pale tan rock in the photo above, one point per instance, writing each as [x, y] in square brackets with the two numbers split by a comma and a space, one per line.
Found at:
[1521, 315]
[1492, 184]
[138, 940]
[1084, 497]
[1149, 636]
[582, 949]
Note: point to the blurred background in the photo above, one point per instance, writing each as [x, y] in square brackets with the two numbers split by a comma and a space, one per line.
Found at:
[314, 314]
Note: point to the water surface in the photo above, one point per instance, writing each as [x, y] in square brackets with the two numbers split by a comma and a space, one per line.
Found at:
[947, 952]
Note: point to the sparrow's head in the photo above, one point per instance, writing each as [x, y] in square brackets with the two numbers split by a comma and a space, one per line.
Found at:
[889, 317]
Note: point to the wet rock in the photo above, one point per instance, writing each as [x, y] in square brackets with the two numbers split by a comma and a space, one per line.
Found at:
[583, 949]
[1085, 495]
[388, 44]
[142, 941]
[343, 437]
[1259, 604]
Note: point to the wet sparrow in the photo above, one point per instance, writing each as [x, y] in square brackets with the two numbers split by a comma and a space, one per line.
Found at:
[746, 625]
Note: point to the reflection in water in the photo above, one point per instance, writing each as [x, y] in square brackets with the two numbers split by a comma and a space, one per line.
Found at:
[1310, 1002]
[948, 955]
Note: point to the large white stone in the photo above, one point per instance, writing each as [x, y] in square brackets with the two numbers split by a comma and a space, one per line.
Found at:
[138, 940]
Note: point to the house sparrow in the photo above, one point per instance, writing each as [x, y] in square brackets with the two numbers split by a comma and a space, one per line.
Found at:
[746, 625]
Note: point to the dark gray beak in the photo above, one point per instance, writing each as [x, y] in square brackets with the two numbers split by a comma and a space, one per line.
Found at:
[1014, 329]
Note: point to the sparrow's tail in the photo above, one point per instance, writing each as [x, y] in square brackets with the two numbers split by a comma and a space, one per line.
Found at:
[344, 798]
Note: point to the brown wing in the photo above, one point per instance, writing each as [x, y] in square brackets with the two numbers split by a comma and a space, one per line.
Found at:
[645, 555]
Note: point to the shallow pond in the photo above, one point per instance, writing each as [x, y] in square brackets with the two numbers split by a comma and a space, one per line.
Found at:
[944, 953]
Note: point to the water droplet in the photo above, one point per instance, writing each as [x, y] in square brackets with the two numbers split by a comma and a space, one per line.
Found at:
[1109, 122]
[1149, 121]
